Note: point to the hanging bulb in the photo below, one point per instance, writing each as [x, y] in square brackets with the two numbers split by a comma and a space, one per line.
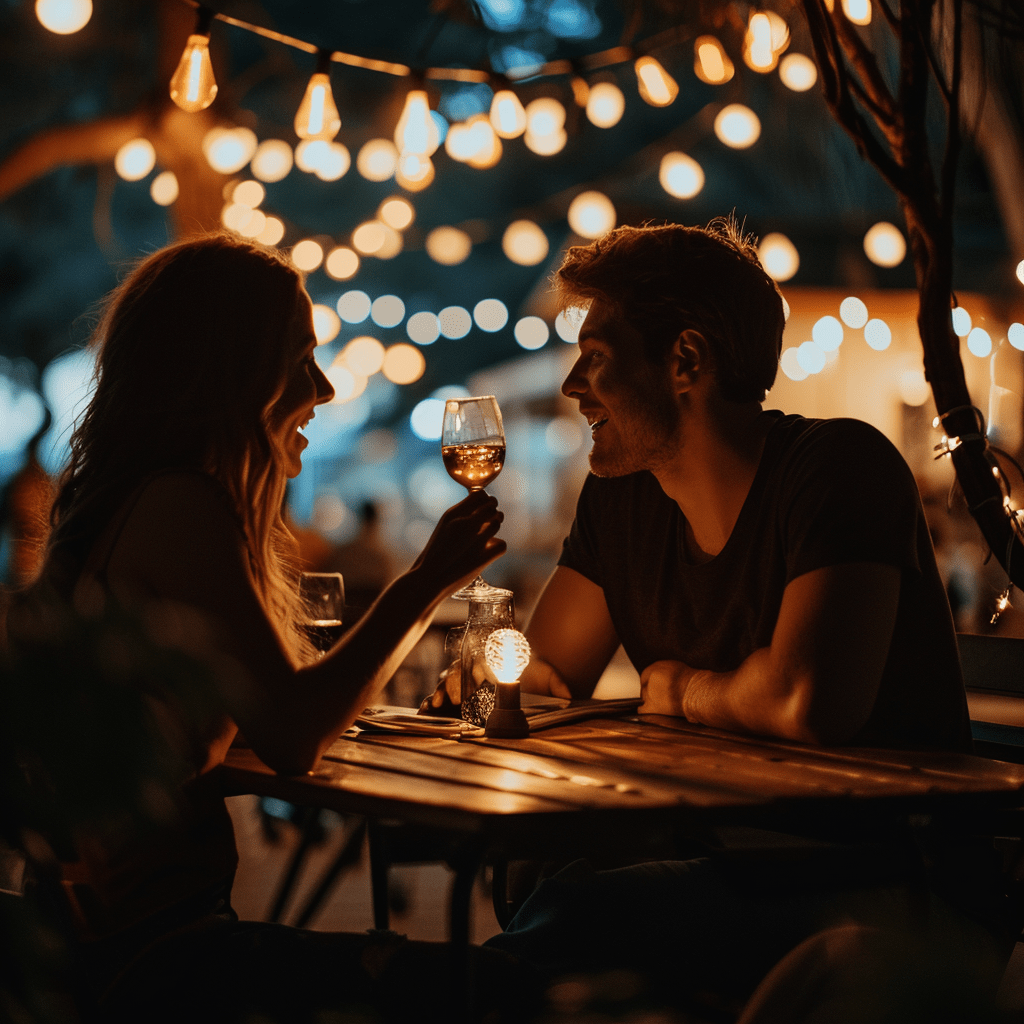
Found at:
[317, 116]
[508, 118]
[416, 131]
[657, 86]
[192, 85]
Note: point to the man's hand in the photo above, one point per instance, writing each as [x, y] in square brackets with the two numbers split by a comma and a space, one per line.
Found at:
[662, 687]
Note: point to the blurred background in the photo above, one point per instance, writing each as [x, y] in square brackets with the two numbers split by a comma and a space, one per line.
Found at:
[543, 124]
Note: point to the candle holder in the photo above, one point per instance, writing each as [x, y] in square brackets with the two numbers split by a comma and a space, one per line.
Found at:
[507, 654]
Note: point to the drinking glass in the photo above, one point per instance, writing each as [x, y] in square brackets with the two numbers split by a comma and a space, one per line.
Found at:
[473, 449]
[323, 601]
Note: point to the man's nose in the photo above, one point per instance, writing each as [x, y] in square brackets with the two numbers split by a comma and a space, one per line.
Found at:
[574, 384]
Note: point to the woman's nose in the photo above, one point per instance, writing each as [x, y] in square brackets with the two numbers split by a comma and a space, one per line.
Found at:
[324, 388]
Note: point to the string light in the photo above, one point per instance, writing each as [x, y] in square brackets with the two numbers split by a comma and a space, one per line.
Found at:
[757, 44]
[377, 160]
[448, 246]
[249, 193]
[961, 321]
[525, 243]
[273, 231]
[853, 312]
[591, 214]
[63, 17]
[778, 256]
[798, 72]
[979, 342]
[135, 159]
[858, 11]
[317, 116]
[341, 263]
[228, 150]
[508, 118]
[272, 160]
[326, 323]
[885, 245]
[363, 355]
[711, 63]
[737, 126]
[455, 322]
[396, 212]
[605, 105]
[307, 255]
[416, 133]
[1020, 271]
[403, 363]
[414, 171]
[193, 86]
[680, 175]
[657, 87]
[164, 188]
[254, 224]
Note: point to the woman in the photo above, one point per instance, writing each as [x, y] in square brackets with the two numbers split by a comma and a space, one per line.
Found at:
[171, 508]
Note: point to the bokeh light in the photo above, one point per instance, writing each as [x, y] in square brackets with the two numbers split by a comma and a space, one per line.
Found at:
[1020, 271]
[680, 175]
[790, 364]
[563, 436]
[423, 328]
[427, 418]
[737, 126]
[853, 312]
[135, 159]
[307, 255]
[568, 324]
[332, 162]
[656, 86]
[827, 333]
[255, 224]
[531, 332]
[368, 237]
[273, 231]
[164, 188]
[1015, 336]
[397, 213]
[326, 323]
[403, 364]
[979, 342]
[913, 387]
[63, 17]
[877, 334]
[363, 355]
[387, 311]
[961, 321]
[591, 214]
[377, 160]
[448, 246]
[454, 322]
[490, 315]
[341, 263]
[810, 357]
[508, 118]
[798, 72]
[354, 306]
[858, 11]
[711, 63]
[885, 245]
[605, 104]
[249, 193]
[524, 243]
[778, 256]
[228, 150]
[272, 160]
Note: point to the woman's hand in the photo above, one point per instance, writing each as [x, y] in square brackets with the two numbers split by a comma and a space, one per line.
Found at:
[462, 544]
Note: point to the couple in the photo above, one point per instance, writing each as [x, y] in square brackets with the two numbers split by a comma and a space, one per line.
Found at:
[765, 573]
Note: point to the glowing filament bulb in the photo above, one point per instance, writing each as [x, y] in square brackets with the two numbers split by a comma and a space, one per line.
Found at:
[657, 86]
[508, 118]
[416, 131]
[317, 116]
[63, 16]
[758, 51]
[507, 653]
[192, 85]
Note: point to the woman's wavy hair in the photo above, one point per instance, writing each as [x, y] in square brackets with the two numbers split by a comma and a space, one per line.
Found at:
[667, 279]
[190, 365]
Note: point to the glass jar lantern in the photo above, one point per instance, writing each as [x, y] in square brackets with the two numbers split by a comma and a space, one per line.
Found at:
[495, 611]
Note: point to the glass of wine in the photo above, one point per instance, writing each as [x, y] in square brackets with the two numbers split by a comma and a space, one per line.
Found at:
[473, 449]
[323, 600]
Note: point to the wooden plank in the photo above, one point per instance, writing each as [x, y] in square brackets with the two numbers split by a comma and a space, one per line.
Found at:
[513, 770]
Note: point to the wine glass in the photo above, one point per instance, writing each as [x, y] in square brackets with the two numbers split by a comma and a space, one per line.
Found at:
[473, 449]
[322, 595]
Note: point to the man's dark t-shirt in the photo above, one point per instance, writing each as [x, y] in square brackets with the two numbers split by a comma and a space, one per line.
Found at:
[826, 492]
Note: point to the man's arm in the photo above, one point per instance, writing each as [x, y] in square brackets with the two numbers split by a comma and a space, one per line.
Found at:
[571, 636]
[818, 679]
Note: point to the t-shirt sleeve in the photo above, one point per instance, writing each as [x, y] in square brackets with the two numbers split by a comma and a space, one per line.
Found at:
[848, 496]
[580, 550]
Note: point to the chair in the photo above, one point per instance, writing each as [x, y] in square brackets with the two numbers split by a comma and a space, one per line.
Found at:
[993, 668]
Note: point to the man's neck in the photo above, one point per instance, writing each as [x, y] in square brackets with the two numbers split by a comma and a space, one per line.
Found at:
[712, 472]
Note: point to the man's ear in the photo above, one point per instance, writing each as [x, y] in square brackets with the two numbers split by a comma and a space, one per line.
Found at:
[689, 360]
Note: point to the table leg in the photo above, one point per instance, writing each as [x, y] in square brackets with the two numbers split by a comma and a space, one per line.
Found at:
[380, 862]
[465, 867]
[347, 857]
[306, 840]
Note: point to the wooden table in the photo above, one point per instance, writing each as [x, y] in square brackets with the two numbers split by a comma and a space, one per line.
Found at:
[619, 786]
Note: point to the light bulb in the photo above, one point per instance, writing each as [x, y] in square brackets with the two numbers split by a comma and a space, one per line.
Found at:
[508, 118]
[416, 131]
[758, 51]
[657, 86]
[507, 653]
[193, 86]
[63, 17]
[317, 116]
[711, 63]
[605, 104]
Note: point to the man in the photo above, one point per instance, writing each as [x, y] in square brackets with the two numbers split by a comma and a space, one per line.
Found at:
[766, 574]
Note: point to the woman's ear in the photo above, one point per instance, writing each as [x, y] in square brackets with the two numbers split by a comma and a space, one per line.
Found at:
[689, 360]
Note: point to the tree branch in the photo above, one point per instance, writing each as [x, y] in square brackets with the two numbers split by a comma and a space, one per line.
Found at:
[953, 136]
[862, 60]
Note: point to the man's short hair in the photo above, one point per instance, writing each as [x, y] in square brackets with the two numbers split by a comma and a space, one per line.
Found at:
[667, 279]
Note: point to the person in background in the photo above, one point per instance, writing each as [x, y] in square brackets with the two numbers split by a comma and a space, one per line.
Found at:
[25, 510]
[765, 573]
[169, 514]
[364, 561]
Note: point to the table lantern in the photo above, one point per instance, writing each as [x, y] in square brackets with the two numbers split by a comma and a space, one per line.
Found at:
[507, 653]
